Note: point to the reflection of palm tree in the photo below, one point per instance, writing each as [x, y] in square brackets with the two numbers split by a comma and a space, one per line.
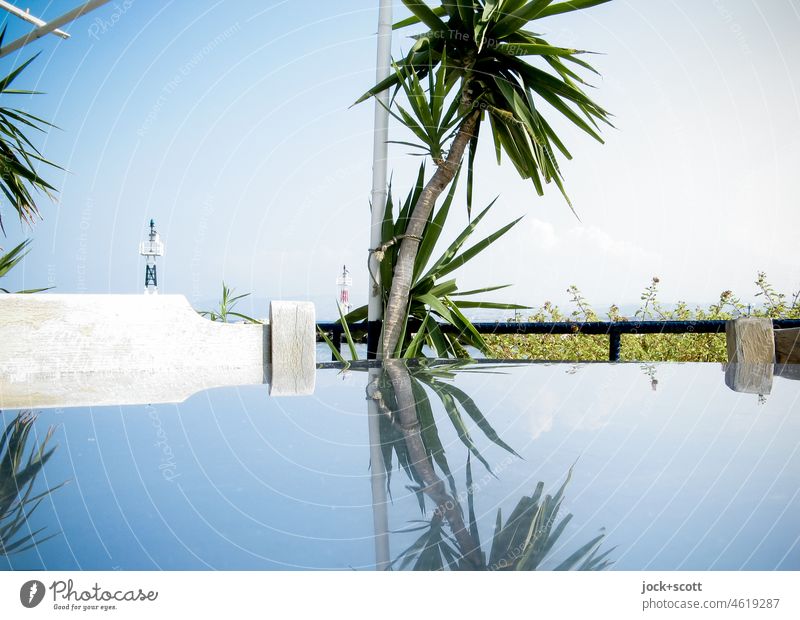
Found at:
[433, 486]
[527, 536]
[17, 477]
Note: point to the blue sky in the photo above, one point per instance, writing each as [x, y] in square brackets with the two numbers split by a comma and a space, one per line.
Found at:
[229, 123]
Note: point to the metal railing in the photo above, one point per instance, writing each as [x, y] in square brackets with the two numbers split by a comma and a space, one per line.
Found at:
[613, 329]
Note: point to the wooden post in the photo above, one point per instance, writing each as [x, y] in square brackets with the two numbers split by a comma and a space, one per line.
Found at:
[293, 343]
[83, 350]
[750, 341]
[751, 355]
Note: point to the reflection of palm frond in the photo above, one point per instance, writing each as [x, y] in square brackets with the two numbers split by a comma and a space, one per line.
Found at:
[409, 429]
[522, 543]
[17, 477]
[530, 533]
[435, 549]
[456, 403]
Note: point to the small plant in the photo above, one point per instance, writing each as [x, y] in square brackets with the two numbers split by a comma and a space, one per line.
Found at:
[351, 344]
[650, 308]
[774, 302]
[227, 303]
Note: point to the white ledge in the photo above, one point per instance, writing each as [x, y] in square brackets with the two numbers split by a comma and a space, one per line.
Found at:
[81, 350]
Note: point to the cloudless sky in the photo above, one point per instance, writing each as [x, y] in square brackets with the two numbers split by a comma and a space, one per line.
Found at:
[229, 123]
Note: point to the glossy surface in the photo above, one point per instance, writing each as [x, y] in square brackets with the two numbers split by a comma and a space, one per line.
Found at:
[677, 470]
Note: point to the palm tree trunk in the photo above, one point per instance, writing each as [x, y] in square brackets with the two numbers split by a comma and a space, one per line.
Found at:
[397, 306]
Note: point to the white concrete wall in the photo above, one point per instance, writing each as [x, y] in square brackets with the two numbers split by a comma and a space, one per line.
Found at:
[71, 350]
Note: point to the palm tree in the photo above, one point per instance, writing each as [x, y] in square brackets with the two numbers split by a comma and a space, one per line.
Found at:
[19, 158]
[434, 297]
[473, 55]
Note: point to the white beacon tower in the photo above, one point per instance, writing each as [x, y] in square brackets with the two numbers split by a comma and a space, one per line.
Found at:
[150, 249]
[344, 282]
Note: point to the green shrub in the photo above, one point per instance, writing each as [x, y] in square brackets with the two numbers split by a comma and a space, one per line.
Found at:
[647, 347]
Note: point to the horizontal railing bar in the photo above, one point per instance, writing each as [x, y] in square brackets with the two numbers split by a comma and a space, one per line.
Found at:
[597, 328]
[601, 328]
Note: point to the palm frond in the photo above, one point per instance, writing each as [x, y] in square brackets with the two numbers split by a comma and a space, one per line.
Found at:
[19, 158]
[485, 49]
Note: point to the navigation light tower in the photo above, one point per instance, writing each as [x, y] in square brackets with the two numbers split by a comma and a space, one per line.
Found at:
[150, 249]
[344, 282]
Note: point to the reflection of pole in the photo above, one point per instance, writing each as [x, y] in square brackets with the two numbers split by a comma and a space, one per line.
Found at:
[380, 513]
[380, 518]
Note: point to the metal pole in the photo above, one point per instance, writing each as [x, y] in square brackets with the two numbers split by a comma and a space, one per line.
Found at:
[380, 514]
[379, 172]
[51, 26]
[614, 345]
[336, 336]
[14, 10]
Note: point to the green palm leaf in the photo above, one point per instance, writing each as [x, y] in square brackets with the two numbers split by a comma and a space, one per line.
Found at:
[19, 158]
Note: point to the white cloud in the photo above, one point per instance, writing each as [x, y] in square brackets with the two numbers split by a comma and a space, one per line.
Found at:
[542, 260]
[542, 234]
[592, 238]
[542, 237]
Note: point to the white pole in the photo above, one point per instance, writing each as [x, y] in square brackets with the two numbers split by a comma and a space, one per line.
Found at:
[380, 515]
[51, 26]
[380, 151]
[29, 18]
